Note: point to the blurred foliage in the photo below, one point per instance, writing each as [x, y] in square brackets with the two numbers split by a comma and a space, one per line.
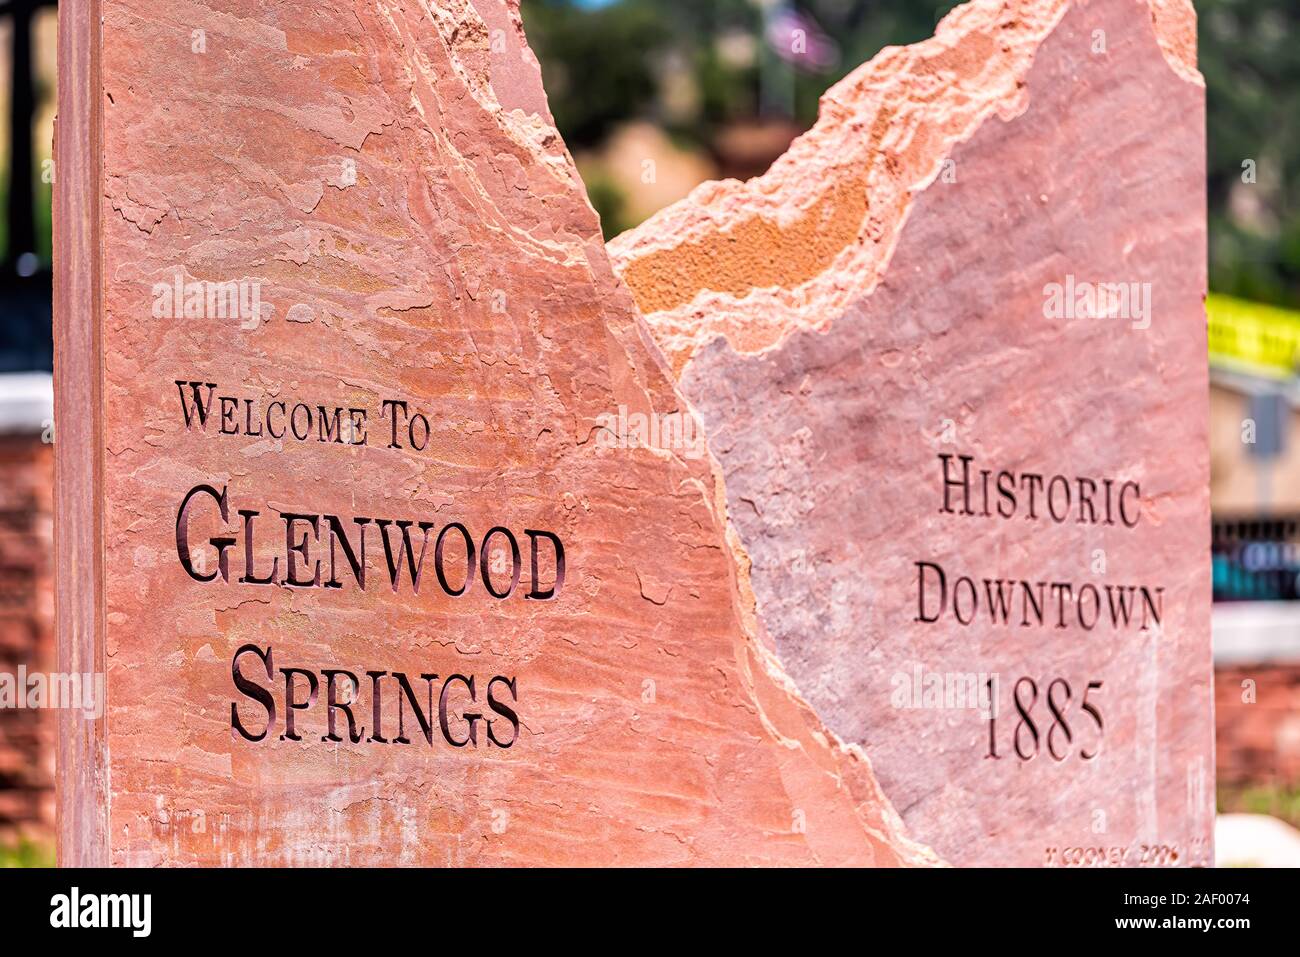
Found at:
[1279, 802]
[608, 62]
[608, 201]
[1250, 58]
[26, 854]
[596, 63]
[863, 28]
[604, 63]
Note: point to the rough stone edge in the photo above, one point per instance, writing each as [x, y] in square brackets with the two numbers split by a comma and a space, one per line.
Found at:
[896, 92]
[712, 209]
[791, 722]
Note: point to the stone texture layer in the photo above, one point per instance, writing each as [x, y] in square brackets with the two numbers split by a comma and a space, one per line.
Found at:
[26, 638]
[878, 300]
[391, 177]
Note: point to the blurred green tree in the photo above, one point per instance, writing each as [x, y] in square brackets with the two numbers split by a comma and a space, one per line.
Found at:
[606, 62]
[597, 64]
[1250, 58]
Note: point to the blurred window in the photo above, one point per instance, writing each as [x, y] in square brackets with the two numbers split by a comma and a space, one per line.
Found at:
[1256, 559]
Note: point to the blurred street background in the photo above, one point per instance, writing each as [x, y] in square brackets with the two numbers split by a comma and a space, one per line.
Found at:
[654, 97]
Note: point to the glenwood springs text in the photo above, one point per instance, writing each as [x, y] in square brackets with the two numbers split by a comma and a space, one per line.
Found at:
[219, 541]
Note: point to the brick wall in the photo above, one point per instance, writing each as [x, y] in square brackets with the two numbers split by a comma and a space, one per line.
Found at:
[1258, 742]
[27, 738]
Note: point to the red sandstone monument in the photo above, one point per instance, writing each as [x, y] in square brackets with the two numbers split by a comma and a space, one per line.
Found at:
[384, 506]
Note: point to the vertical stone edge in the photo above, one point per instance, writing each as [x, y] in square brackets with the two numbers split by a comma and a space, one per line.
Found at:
[1210, 800]
[81, 774]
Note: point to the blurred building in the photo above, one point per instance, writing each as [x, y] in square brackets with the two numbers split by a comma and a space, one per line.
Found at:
[1255, 499]
[27, 737]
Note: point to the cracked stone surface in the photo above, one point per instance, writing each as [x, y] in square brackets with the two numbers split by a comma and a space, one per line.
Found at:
[882, 298]
[391, 179]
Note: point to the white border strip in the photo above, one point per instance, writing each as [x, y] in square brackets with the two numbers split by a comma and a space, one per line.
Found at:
[26, 402]
[1256, 632]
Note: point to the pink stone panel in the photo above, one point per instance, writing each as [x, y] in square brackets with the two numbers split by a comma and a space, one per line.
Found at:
[830, 403]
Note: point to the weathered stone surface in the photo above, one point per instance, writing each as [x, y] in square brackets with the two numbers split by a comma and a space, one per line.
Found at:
[883, 297]
[390, 179]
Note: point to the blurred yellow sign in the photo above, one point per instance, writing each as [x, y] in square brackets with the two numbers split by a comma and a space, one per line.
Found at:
[1253, 339]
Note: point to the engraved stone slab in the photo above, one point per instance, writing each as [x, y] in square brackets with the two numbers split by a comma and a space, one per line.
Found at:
[337, 339]
[950, 354]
